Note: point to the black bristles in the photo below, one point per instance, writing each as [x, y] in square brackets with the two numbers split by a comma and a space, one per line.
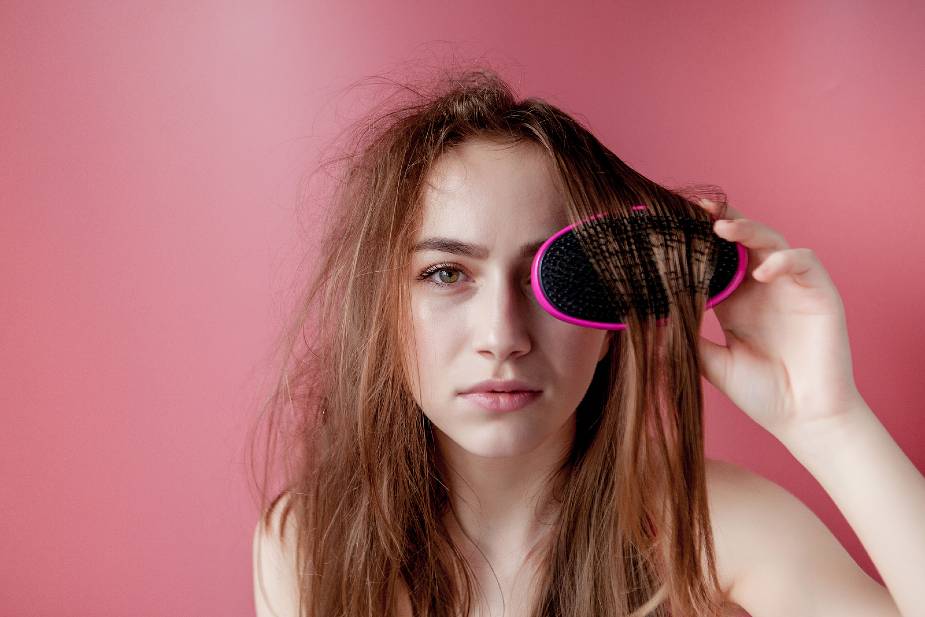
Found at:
[626, 250]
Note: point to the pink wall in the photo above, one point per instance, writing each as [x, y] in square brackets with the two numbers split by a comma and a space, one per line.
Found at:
[148, 173]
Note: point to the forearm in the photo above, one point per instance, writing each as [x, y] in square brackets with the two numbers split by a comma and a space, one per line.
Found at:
[880, 493]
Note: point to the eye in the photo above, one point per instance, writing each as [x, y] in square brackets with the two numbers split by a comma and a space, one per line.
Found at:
[427, 275]
[436, 269]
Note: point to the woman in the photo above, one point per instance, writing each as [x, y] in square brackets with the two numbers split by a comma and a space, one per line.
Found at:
[404, 496]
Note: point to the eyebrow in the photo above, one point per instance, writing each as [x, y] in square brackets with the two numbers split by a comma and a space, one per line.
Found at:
[477, 251]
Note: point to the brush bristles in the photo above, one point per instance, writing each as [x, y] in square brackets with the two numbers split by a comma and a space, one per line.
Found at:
[610, 265]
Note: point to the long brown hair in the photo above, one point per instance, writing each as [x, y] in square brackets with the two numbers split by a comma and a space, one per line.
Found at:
[360, 471]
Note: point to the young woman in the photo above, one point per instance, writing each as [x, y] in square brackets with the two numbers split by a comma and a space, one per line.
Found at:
[404, 496]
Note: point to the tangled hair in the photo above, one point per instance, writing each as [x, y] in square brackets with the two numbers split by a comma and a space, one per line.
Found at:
[361, 474]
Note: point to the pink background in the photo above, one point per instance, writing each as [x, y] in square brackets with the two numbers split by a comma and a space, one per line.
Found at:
[149, 169]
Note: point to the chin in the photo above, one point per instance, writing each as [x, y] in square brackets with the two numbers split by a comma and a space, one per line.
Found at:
[496, 441]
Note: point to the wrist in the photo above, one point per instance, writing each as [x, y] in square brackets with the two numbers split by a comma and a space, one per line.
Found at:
[819, 435]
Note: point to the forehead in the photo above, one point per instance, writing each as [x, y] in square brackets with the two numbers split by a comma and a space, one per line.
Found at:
[488, 188]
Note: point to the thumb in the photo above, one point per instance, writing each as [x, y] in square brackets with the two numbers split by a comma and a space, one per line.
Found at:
[714, 359]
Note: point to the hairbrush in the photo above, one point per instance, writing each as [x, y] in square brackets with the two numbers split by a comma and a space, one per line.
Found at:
[567, 285]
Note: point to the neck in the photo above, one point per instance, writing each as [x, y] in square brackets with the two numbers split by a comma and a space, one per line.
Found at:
[501, 505]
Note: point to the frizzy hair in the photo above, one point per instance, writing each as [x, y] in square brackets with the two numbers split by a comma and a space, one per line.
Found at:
[362, 484]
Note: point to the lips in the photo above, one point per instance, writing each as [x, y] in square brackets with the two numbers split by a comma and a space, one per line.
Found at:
[502, 386]
[502, 401]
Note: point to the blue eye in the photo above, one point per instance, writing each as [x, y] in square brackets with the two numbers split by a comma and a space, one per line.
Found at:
[429, 272]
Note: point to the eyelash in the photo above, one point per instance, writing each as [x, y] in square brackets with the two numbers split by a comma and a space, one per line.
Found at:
[426, 274]
[449, 267]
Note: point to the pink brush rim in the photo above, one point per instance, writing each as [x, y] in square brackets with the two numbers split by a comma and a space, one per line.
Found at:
[549, 308]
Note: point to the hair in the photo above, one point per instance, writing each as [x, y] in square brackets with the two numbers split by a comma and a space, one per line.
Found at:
[361, 474]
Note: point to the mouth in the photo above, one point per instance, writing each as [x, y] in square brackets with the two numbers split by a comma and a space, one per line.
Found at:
[502, 401]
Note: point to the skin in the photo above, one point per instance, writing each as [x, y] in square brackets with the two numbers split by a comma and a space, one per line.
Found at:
[485, 323]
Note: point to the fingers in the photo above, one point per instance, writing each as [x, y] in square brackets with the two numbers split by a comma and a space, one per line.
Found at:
[751, 234]
[773, 255]
[736, 228]
[717, 210]
[801, 264]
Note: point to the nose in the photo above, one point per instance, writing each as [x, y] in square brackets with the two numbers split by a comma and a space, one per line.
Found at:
[501, 329]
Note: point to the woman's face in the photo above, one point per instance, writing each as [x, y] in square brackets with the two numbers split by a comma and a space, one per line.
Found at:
[475, 317]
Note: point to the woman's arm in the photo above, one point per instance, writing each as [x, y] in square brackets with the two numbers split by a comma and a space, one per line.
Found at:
[787, 365]
[878, 490]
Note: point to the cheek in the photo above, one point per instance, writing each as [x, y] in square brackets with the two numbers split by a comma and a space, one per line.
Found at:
[576, 356]
[433, 331]
[436, 335]
[439, 321]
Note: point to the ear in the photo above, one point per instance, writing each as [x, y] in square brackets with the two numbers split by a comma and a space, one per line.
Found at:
[605, 345]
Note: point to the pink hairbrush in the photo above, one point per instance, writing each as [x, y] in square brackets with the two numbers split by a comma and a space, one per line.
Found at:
[568, 287]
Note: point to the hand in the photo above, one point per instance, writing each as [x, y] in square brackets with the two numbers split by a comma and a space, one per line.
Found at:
[787, 361]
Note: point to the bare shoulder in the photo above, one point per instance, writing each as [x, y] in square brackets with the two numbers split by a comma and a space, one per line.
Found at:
[724, 484]
[275, 572]
[776, 557]
[746, 509]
